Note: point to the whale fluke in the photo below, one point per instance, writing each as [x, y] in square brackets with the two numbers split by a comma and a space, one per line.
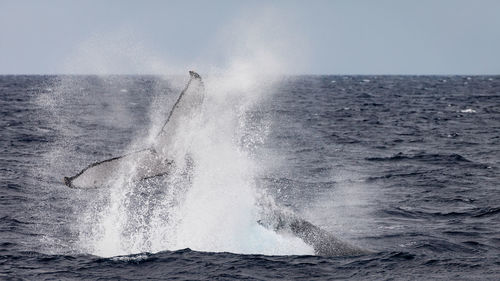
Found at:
[149, 162]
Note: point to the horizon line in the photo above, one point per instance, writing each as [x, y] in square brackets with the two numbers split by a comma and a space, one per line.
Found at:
[283, 74]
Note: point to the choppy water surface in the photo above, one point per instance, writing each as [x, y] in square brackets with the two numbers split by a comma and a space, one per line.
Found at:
[404, 166]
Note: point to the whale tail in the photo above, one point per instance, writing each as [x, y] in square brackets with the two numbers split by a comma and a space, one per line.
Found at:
[146, 163]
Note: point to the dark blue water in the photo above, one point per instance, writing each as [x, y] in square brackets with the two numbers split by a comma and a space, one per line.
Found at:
[405, 166]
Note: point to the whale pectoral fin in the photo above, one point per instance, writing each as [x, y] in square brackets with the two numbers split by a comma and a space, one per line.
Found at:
[323, 242]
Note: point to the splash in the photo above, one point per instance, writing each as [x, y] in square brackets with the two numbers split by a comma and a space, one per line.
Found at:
[212, 205]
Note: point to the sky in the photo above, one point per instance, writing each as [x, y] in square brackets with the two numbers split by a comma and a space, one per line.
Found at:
[304, 37]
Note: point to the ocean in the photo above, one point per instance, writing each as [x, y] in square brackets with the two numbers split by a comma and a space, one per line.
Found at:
[405, 167]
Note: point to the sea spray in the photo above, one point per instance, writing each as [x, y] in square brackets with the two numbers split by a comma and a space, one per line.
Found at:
[220, 212]
[209, 202]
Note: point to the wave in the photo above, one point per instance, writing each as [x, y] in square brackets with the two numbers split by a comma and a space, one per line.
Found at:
[429, 158]
[487, 212]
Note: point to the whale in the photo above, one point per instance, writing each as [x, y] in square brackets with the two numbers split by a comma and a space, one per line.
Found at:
[155, 161]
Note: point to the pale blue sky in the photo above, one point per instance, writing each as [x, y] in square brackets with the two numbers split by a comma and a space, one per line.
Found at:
[326, 37]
